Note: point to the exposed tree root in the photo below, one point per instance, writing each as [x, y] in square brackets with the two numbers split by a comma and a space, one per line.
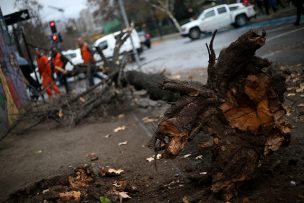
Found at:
[240, 107]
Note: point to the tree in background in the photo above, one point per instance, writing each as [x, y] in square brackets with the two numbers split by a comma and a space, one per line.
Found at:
[167, 7]
[150, 15]
[106, 8]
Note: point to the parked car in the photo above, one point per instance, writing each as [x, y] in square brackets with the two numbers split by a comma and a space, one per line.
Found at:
[107, 44]
[218, 17]
[145, 39]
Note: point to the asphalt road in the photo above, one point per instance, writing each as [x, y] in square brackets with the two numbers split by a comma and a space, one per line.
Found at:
[285, 44]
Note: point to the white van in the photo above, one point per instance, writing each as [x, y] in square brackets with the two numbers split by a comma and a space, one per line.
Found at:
[107, 44]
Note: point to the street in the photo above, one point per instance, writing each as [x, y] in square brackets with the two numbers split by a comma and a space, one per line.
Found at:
[284, 45]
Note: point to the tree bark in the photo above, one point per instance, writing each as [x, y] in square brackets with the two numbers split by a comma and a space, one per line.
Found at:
[150, 83]
[240, 107]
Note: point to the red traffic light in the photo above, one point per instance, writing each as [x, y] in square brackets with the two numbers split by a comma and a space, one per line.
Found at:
[54, 38]
[52, 23]
[53, 26]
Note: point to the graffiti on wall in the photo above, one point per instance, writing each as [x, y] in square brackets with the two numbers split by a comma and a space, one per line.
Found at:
[13, 94]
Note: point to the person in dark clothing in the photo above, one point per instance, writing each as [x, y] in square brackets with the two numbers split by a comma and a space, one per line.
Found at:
[260, 5]
[300, 11]
[270, 4]
[26, 70]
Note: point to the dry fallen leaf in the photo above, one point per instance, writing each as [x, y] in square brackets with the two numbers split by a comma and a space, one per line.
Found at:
[152, 158]
[301, 88]
[273, 143]
[38, 152]
[81, 178]
[123, 195]
[71, 195]
[108, 171]
[185, 199]
[301, 105]
[199, 157]
[121, 185]
[148, 119]
[82, 99]
[107, 135]
[291, 94]
[60, 113]
[289, 110]
[123, 143]
[121, 116]
[120, 128]
[92, 156]
[187, 155]
[116, 171]
[203, 173]
[177, 77]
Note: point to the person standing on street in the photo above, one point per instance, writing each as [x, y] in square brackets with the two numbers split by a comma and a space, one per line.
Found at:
[59, 62]
[88, 59]
[44, 69]
[300, 10]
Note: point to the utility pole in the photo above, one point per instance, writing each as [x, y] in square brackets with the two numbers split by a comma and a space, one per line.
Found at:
[31, 61]
[126, 21]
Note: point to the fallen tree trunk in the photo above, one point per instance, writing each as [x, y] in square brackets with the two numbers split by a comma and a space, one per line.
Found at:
[150, 83]
[240, 107]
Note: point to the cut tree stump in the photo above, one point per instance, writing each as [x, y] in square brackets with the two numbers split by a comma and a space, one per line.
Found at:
[240, 107]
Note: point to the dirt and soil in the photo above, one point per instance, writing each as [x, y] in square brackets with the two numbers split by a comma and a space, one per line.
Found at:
[39, 162]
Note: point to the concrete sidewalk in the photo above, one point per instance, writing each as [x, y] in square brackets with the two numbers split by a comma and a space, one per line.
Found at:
[47, 150]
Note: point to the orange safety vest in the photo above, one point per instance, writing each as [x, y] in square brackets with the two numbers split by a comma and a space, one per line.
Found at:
[57, 61]
[43, 66]
[86, 54]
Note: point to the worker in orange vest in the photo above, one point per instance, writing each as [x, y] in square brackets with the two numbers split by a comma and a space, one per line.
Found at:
[59, 62]
[44, 69]
[88, 59]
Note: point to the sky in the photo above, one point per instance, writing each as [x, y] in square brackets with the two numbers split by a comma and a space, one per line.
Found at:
[71, 8]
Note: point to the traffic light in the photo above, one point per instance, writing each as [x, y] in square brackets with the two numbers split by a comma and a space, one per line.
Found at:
[53, 26]
[54, 37]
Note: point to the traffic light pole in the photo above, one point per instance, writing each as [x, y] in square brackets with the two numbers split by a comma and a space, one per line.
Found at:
[31, 61]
